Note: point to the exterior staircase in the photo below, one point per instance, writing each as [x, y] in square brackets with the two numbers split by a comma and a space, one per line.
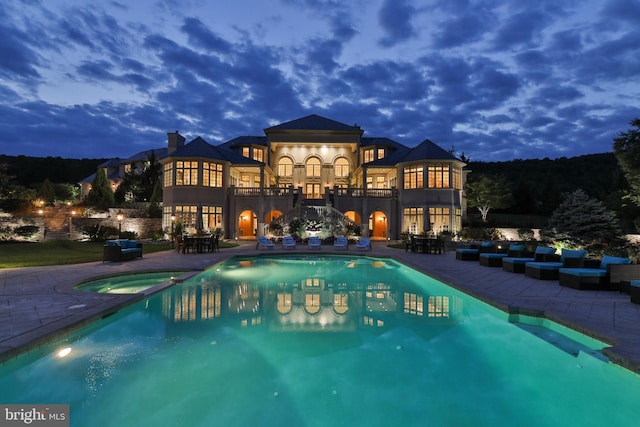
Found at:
[56, 223]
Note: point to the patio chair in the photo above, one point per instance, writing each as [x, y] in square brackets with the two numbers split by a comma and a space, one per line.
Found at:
[473, 253]
[364, 244]
[550, 270]
[494, 259]
[541, 254]
[288, 242]
[341, 243]
[264, 243]
[314, 242]
[606, 274]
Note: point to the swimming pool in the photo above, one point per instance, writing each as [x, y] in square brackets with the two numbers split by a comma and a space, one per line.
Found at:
[317, 341]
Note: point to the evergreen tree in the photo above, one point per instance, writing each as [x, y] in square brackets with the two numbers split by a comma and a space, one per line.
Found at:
[584, 223]
[46, 192]
[155, 211]
[101, 194]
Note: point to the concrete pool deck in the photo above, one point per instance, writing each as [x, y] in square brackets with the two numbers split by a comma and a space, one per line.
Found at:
[38, 304]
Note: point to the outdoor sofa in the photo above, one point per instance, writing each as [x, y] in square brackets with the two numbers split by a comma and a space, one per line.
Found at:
[605, 274]
[473, 253]
[541, 254]
[494, 259]
[550, 270]
[121, 250]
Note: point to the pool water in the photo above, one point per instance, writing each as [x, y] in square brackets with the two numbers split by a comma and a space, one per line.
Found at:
[321, 341]
[128, 284]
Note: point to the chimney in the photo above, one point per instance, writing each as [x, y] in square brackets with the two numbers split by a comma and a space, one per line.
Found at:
[175, 141]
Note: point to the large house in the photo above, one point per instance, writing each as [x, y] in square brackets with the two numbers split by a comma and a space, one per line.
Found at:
[310, 168]
[307, 168]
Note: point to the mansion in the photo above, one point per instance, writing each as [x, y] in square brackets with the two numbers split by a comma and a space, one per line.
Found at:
[307, 168]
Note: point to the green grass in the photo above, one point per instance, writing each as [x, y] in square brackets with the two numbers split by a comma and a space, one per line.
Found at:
[57, 252]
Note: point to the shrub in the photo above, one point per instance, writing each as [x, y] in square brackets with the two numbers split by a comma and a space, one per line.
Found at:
[525, 234]
[27, 230]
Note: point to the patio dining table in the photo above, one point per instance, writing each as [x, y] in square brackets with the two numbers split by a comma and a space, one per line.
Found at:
[198, 243]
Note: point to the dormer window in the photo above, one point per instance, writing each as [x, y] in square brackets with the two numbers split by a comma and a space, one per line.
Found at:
[258, 155]
[369, 155]
[380, 153]
[245, 152]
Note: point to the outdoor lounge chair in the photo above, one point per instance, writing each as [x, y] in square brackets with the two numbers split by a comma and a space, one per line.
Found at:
[341, 243]
[364, 244]
[541, 254]
[494, 259]
[264, 243]
[606, 275]
[473, 253]
[314, 242]
[550, 270]
[288, 242]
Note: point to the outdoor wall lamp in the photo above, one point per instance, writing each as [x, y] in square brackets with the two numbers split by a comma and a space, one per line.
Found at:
[120, 217]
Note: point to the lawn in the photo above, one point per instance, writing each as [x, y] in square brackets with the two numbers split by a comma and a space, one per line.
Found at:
[56, 252]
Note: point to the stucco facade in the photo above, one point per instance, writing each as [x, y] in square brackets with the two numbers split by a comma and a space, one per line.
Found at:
[313, 162]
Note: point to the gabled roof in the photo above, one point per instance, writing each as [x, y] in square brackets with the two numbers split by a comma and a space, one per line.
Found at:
[314, 122]
[201, 148]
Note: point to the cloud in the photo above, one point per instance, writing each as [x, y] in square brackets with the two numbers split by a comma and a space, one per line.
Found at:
[395, 19]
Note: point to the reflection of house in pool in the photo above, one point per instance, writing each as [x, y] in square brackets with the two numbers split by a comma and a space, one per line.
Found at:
[313, 304]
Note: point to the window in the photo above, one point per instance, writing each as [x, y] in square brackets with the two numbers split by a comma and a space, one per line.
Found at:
[211, 174]
[342, 167]
[127, 168]
[368, 155]
[312, 303]
[380, 182]
[168, 175]
[457, 178]
[245, 152]
[340, 303]
[258, 154]
[186, 173]
[413, 177]
[438, 176]
[285, 167]
[313, 167]
[369, 182]
[211, 217]
[413, 220]
[187, 215]
[439, 218]
[380, 153]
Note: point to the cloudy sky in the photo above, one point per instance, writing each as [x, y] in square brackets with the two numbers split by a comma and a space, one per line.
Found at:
[493, 79]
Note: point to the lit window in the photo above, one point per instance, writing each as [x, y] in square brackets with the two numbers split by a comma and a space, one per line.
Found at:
[285, 167]
[186, 173]
[413, 177]
[211, 174]
[313, 167]
[342, 167]
[438, 176]
[413, 220]
[368, 155]
[168, 175]
[245, 152]
[258, 154]
[380, 153]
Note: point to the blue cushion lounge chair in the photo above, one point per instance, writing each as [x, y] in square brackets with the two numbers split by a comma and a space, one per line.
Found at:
[341, 243]
[550, 270]
[264, 243]
[541, 254]
[314, 242]
[288, 242]
[364, 244]
[489, 259]
[473, 253]
[607, 275]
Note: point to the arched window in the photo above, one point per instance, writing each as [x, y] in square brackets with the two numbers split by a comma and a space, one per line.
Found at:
[342, 168]
[313, 167]
[285, 167]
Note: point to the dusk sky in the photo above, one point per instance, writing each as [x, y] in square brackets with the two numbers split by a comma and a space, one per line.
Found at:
[493, 79]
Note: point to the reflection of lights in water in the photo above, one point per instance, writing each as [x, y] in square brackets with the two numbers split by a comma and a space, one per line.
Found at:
[64, 352]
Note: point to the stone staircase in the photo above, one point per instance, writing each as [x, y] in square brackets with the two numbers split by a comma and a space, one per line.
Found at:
[56, 223]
